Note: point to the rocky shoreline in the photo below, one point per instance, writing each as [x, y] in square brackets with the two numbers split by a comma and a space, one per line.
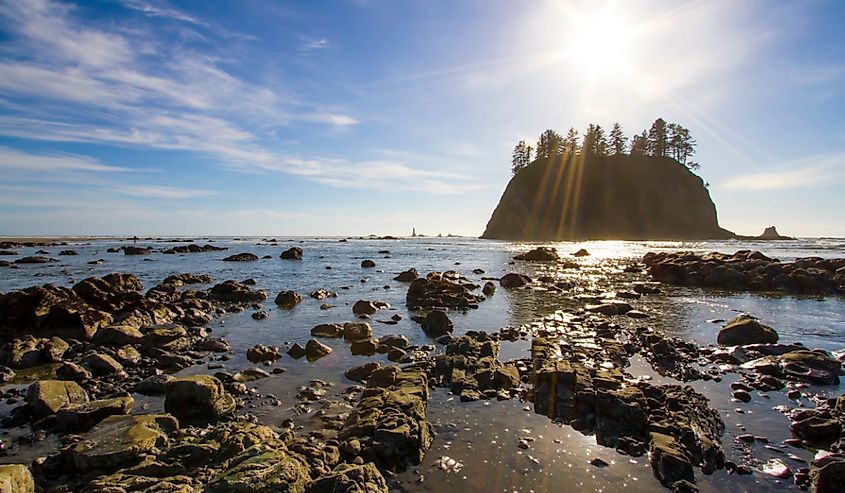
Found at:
[103, 343]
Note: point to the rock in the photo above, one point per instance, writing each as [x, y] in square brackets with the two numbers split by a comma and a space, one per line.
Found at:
[368, 264]
[30, 351]
[72, 371]
[154, 385]
[322, 294]
[117, 335]
[110, 293]
[513, 280]
[581, 253]
[811, 366]
[437, 323]
[241, 257]
[17, 478]
[262, 469]
[215, 345]
[6, 374]
[288, 299]
[364, 347]
[539, 254]
[293, 253]
[327, 330]
[315, 349]
[437, 291]
[83, 417]
[669, 462]
[613, 308]
[827, 475]
[744, 330]
[488, 289]
[407, 276]
[776, 468]
[771, 233]
[260, 315]
[296, 351]
[350, 478]
[363, 372]
[363, 307]
[35, 259]
[198, 398]
[45, 397]
[103, 364]
[120, 441]
[394, 340]
[357, 331]
[133, 250]
[260, 353]
[235, 292]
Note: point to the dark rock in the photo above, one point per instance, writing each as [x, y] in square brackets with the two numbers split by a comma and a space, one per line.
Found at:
[45, 397]
[437, 323]
[513, 280]
[368, 264]
[83, 417]
[581, 253]
[30, 351]
[296, 351]
[827, 475]
[488, 289]
[327, 330]
[364, 307]
[743, 330]
[241, 257]
[120, 441]
[35, 259]
[363, 372]
[315, 349]
[235, 292]
[407, 276]
[132, 250]
[260, 315]
[811, 366]
[288, 299]
[198, 398]
[260, 353]
[349, 478]
[437, 291]
[72, 371]
[322, 294]
[153, 385]
[357, 331]
[293, 253]
[539, 254]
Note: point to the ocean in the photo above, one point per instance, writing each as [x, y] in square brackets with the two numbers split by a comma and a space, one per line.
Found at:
[482, 435]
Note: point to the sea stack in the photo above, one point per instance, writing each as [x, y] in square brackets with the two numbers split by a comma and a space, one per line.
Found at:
[593, 197]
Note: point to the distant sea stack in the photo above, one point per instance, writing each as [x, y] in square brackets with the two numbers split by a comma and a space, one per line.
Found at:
[594, 197]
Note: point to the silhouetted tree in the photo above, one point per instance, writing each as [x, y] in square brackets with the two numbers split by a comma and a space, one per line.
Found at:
[618, 140]
[657, 138]
[570, 142]
[549, 145]
[588, 143]
[681, 145]
[600, 142]
[521, 156]
[639, 144]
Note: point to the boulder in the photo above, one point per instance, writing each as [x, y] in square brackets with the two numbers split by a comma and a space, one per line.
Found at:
[668, 460]
[121, 441]
[364, 347]
[817, 367]
[133, 250]
[30, 351]
[513, 280]
[72, 371]
[827, 474]
[368, 264]
[363, 372]
[488, 289]
[745, 329]
[327, 330]
[296, 351]
[349, 478]
[235, 292]
[241, 257]
[293, 253]
[46, 397]
[260, 352]
[407, 276]
[117, 335]
[17, 478]
[154, 385]
[581, 253]
[357, 331]
[539, 254]
[83, 417]
[262, 469]
[437, 323]
[394, 340]
[111, 292]
[437, 291]
[322, 294]
[363, 307]
[198, 398]
[288, 299]
[315, 349]
[35, 259]
[103, 364]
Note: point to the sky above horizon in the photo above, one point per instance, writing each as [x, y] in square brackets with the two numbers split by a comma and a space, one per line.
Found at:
[152, 117]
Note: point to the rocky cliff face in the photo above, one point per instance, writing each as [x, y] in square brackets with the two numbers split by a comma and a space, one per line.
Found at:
[607, 197]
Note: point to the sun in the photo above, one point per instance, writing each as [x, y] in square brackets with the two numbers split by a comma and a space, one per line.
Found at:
[600, 39]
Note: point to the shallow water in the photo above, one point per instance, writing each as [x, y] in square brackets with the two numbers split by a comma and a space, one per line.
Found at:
[481, 435]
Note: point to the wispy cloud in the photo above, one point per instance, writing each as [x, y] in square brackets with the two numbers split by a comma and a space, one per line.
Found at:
[804, 173]
[162, 192]
[161, 10]
[312, 44]
[45, 163]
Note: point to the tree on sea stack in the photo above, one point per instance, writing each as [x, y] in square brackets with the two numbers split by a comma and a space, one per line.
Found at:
[639, 144]
[617, 140]
[549, 145]
[570, 142]
[657, 139]
[521, 156]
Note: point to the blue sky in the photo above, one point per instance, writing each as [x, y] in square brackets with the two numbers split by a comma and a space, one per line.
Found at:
[357, 117]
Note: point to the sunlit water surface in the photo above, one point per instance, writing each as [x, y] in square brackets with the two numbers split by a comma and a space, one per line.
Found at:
[482, 436]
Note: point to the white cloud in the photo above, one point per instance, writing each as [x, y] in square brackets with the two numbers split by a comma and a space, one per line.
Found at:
[163, 192]
[804, 173]
[46, 163]
[310, 44]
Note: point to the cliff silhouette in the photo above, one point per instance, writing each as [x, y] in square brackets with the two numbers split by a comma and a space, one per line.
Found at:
[619, 197]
